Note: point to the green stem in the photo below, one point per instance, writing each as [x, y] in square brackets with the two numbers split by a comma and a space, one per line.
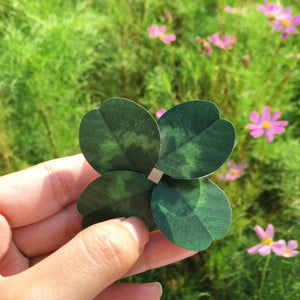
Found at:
[279, 88]
[271, 69]
[180, 93]
[205, 81]
[263, 277]
[49, 131]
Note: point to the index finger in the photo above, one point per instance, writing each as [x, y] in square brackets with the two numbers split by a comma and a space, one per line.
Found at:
[41, 191]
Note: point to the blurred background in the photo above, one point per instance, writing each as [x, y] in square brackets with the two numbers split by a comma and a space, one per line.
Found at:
[59, 59]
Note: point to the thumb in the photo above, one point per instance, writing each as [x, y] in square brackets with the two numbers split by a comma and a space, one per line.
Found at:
[85, 266]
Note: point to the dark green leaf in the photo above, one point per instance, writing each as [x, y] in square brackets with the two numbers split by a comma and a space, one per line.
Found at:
[117, 194]
[190, 213]
[195, 140]
[121, 135]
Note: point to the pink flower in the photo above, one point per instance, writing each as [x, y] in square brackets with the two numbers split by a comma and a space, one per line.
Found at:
[168, 38]
[289, 55]
[228, 8]
[286, 22]
[265, 247]
[266, 124]
[156, 32]
[205, 47]
[280, 248]
[159, 113]
[168, 16]
[224, 42]
[235, 170]
[271, 10]
[232, 10]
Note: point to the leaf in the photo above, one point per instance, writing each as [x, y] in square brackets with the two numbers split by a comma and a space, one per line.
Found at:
[120, 135]
[190, 213]
[195, 140]
[117, 194]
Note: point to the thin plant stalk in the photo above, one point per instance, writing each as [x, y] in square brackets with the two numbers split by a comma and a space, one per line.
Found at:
[271, 69]
[263, 277]
[280, 87]
[180, 93]
[49, 131]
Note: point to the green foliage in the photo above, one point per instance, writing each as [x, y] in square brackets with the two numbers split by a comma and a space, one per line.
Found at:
[59, 59]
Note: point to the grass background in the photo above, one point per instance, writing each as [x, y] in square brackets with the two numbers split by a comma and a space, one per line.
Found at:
[59, 59]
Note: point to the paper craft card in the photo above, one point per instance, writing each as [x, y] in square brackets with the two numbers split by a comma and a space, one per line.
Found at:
[156, 169]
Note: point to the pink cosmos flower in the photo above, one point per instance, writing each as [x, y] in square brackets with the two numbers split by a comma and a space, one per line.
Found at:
[271, 10]
[159, 113]
[266, 124]
[228, 8]
[265, 247]
[168, 16]
[286, 23]
[167, 39]
[235, 170]
[232, 10]
[280, 248]
[156, 32]
[205, 47]
[224, 42]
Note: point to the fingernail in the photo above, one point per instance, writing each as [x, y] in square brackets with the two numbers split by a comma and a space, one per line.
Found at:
[138, 230]
[151, 290]
[159, 286]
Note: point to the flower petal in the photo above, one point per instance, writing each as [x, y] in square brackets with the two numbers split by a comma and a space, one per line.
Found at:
[273, 23]
[265, 250]
[255, 249]
[270, 231]
[280, 123]
[254, 126]
[277, 130]
[296, 21]
[285, 34]
[275, 116]
[292, 245]
[254, 117]
[231, 177]
[293, 253]
[279, 247]
[231, 164]
[265, 113]
[260, 8]
[169, 38]
[257, 133]
[260, 232]
[163, 29]
[285, 14]
[269, 136]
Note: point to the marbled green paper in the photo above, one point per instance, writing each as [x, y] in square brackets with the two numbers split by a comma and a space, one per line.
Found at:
[123, 142]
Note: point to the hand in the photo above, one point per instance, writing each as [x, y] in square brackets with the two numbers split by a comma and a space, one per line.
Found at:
[45, 255]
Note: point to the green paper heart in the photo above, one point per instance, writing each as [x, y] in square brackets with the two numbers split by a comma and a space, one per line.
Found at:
[117, 194]
[195, 140]
[191, 214]
[120, 135]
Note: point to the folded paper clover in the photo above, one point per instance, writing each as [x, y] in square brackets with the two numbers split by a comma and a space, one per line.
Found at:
[155, 170]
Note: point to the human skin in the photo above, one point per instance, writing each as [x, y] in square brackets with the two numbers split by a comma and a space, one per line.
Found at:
[44, 254]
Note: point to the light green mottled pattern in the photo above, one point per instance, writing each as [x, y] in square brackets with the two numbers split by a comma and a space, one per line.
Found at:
[121, 135]
[117, 194]
[195, 140]
[191, 214]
